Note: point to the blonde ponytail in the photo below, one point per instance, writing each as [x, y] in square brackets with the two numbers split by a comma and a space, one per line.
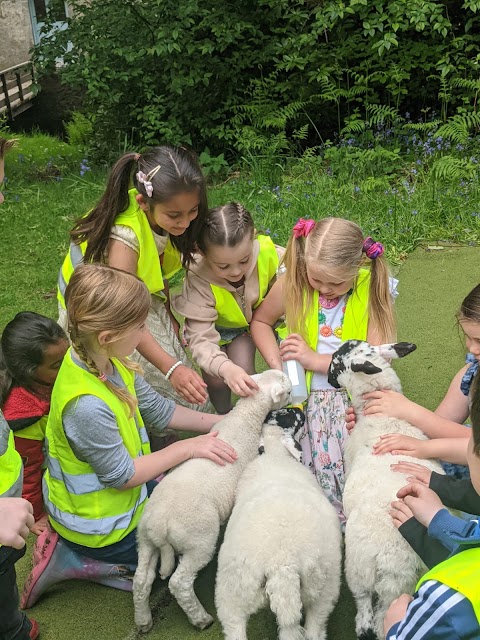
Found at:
[100, 298]
[297, 292]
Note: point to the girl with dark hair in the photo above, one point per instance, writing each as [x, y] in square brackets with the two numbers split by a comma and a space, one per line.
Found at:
[31, 352]
[150, 231]
[223, 286]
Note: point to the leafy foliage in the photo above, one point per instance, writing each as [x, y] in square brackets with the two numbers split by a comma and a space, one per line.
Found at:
[271, 74]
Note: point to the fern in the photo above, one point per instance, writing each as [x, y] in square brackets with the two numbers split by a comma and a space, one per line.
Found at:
[458, 127]
[451, 168]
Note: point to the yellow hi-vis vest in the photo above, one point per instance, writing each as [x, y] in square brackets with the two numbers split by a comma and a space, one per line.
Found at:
[35, 431]
[79, 506]
[148, 266]
[11, 468]
[230, 315]
[355, 320]
[460, 572]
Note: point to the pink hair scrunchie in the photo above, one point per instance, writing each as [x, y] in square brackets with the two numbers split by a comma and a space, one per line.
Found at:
[303, 227]
[372, 249]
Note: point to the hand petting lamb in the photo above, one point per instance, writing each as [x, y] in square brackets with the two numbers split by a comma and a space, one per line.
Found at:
[379, 564]
[282, 546]
[185, 511]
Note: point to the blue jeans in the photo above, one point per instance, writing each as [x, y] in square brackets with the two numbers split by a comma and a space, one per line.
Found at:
[123, 552]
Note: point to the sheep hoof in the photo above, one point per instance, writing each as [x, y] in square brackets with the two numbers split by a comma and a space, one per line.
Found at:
[205, 622]
[145, 628]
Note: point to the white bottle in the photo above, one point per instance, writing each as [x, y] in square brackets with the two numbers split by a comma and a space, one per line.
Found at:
[296, 373]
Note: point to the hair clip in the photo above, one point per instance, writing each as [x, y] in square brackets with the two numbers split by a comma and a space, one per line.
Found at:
[136, 157]
[102, 377]
[372, 249]
[303, 227]
[146, 179]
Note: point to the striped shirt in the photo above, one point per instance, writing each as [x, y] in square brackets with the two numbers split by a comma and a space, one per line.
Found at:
[437, 613]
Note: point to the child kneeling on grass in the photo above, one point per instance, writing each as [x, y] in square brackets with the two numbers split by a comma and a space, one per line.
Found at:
[446, 604]
[99, 465]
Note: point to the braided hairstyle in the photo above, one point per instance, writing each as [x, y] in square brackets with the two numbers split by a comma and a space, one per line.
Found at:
[101, 298]
[225, 226]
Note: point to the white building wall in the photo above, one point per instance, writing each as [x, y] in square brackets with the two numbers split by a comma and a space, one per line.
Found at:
[16, 37]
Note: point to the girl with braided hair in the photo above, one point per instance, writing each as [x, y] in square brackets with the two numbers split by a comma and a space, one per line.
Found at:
[99, 464]
[336, 288]
[224, 284]
[148, 230]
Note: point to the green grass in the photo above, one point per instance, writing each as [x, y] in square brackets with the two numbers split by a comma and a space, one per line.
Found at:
[34, 224]
[432, 285]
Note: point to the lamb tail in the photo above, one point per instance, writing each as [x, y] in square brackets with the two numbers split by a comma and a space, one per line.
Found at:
[167, 560]
[283, 590]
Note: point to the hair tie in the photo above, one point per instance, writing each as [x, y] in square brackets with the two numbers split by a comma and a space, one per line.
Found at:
[136, 157]
[303, 227]
[372, 249]
[102, 377]
[146, 179]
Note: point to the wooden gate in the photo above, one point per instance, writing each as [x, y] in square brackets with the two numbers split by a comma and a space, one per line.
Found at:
[17, 88]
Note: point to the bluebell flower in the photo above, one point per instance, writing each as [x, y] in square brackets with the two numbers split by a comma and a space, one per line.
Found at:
[356, 188]
[414, 212]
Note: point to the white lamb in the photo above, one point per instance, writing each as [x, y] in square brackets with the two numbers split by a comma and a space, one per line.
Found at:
[282, 545]
[379, 564]
[185, 511]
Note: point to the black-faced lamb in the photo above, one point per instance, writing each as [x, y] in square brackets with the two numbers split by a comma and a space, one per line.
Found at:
[282, 547]
[379, 564]
[185, 511]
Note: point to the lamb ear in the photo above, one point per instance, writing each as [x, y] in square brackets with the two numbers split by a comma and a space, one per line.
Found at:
[365, 367]
[277, 392]
[396, 350]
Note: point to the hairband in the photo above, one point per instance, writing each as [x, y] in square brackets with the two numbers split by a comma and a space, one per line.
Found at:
[303, 227]
[102, 377]
[136, 157]
[372, 249]
[146, 179]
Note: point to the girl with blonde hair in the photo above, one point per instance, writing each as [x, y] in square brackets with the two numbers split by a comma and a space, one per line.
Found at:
[99, 460]
[336, 288]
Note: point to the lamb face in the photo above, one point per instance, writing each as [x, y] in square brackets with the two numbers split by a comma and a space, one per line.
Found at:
[357, 364]
[276, 385]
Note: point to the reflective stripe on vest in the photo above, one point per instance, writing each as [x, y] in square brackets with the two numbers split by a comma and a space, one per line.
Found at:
[11, 468]
[148, 266]
[460, 572]
[80, 507]
[229, 313]
[35, 431]
[355, 320]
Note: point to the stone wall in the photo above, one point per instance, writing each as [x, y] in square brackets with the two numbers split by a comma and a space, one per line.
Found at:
[16, 37]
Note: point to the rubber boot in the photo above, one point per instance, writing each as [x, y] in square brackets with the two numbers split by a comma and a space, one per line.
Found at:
[54, 561]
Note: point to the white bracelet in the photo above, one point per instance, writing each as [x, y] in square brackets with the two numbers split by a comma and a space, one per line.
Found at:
[172, 369]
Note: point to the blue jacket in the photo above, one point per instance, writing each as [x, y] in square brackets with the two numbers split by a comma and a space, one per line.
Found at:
[438, 612]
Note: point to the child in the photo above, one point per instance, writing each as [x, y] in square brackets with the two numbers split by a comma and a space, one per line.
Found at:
[16, 514]
[446, 603]
[148, 230]
[327, 295]
[445, 425]
[223, 286]
[99, 460]
[31, 352]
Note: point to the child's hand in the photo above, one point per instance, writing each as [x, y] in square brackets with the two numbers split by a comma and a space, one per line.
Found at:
[400, 446]
[295, 348]
[16, 516]
[396, 612]
[238, 380]
[388, 403]
[350, 419]
[423, 502]
[189, 384]
[400, 513]
[414, 472]
[211, 447]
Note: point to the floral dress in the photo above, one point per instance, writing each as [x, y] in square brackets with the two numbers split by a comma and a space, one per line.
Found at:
[323, 436]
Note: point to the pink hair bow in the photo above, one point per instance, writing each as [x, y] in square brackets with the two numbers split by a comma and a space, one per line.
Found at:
[146, 179]
[372, 249]
[303, 228]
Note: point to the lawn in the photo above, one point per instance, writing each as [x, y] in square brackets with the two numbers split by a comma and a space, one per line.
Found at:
[432, 285]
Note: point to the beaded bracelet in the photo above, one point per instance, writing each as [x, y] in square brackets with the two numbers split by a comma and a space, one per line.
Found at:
[172, 369]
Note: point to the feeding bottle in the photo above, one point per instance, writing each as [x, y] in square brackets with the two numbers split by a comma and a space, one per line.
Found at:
[296, 373]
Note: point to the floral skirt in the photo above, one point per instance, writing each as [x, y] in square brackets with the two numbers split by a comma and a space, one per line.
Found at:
[322, 439]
